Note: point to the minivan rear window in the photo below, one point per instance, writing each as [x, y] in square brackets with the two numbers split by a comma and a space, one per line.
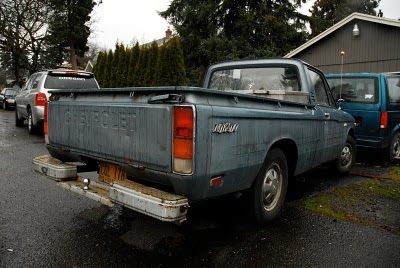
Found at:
[68, 81]
[354, 89]
[394, 88]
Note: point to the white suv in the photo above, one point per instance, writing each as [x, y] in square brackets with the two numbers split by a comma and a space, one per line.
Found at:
[31, 99]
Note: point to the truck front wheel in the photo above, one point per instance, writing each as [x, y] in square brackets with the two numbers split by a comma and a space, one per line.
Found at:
[347, 157]
[267, 195]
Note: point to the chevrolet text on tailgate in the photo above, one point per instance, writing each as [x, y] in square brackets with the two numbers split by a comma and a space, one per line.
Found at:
[253, 126]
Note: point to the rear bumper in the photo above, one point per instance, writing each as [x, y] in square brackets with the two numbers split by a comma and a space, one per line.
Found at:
[38, 114]
[182, 185]
[144, 199]
[373, 143]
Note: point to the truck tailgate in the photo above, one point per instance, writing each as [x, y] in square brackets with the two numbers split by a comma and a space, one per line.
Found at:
[113, 128]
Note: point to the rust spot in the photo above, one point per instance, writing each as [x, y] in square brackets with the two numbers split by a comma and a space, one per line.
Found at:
[131, 164]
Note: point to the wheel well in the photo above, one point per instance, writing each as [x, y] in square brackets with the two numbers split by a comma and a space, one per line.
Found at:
[289, 148]
[352, 133]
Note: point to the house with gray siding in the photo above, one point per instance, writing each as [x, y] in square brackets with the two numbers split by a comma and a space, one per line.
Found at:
[363, 43]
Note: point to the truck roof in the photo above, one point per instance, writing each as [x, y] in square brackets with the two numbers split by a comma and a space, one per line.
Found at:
[362, 74]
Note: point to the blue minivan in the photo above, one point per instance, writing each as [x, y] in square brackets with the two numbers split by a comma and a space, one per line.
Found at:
[374, 101]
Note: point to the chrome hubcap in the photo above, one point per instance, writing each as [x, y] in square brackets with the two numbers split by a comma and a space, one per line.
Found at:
[345, 156]
[30, 121]
[272, 187]
[396, 148]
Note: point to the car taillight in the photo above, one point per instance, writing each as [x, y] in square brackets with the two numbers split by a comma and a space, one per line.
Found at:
[41, 99]
[183, 140]
[384, 120]
[45, 126]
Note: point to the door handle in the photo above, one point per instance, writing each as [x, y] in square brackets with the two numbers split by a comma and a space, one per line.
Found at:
[327, 115]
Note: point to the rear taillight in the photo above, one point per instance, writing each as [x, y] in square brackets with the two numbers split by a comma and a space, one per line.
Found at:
[384, 120]
[183, 143]
[45, 125]
[41, 99]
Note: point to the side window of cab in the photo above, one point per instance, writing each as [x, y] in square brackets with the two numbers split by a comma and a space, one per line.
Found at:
[322, 95]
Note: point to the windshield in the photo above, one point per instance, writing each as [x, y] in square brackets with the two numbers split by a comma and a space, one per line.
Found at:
[67, 81]
[10, 92]
[253, 79]
[354, 89]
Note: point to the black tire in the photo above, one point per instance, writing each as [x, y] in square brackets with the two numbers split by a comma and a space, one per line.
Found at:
[31, 126]
[344, 163]
[267, 194]
[18, 122]
[4, 105]
[394, 149]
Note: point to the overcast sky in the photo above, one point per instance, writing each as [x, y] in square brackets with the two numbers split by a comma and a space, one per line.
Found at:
[127, 20]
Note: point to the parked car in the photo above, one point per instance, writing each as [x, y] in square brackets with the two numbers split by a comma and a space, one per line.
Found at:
[374, 101]
[31, 99]
[7, 98]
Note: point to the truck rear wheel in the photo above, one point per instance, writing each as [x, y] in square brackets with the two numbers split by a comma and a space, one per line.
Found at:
[344, 163]
[267, 195]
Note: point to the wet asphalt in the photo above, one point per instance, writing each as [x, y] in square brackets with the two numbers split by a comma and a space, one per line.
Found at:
[42, 225]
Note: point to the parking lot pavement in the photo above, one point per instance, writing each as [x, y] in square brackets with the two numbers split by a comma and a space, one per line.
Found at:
[42, 225]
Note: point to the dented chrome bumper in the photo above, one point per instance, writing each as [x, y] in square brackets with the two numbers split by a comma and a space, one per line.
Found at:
[144, 199]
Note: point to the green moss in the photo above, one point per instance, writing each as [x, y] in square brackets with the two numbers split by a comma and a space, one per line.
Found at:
[380, 188]
[321, 205]
[395, 174]
[346, 194]
[341, 202]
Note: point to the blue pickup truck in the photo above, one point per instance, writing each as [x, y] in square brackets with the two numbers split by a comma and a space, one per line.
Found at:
[251, 127]
[374, 101]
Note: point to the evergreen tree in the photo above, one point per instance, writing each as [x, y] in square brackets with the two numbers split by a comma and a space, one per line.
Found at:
[326, 13]
[125, 74]
[67, 27]
[132, 65]
[176, 75]
[107, 70]
[161, 73]
[141, 67]
[98, 68]
[113, 83]
[151, 65]
[120, 71]
[215, 30]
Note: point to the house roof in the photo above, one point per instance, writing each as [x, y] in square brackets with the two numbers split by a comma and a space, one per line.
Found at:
[341, 23]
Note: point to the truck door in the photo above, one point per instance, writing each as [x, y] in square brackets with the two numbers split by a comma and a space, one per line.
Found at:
[334, 135]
